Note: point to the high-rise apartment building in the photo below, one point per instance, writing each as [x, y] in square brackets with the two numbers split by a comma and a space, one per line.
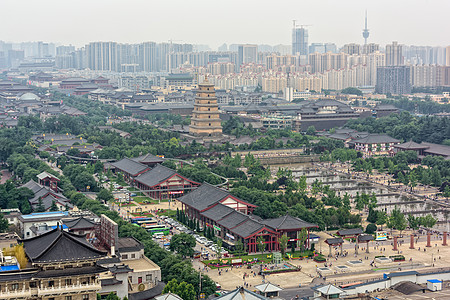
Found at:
[300, 40]
[102, 56]
[394, 54]
[247, 54]
[370, 48]
[447, 56]
[205, 121]
[351, 49]
[394, 80]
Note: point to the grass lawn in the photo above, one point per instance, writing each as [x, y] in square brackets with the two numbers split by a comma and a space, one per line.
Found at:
[262, 258]
[124, 204]
[142, 214]
[167, 212]
[144, 200]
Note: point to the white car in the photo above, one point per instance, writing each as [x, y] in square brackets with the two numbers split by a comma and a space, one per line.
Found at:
[208, 243]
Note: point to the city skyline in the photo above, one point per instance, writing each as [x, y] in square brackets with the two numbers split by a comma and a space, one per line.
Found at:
[236, 23]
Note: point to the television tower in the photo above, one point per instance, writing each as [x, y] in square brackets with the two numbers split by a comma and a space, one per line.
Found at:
[365, 32]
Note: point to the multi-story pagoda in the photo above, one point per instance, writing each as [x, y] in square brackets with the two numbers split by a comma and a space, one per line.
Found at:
[205, 121]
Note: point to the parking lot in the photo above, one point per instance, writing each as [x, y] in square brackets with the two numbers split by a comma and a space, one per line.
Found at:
[204, 248]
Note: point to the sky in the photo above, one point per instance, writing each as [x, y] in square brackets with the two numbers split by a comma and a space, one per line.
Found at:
[214, 22]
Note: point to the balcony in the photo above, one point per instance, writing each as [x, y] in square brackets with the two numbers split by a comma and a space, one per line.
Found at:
[24, 293]
[69, 289]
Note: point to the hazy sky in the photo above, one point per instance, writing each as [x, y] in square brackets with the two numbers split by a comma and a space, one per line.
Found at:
[213, 22]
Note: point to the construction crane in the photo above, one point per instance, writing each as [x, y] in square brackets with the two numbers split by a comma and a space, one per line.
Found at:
[301, 26]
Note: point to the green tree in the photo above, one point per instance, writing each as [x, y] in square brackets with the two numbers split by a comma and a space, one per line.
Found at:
[381, 218]
[427, 221]
[302, 236]
[40, 207]
[261, 243]
[371, 228]
[311, 130]
[352, 91]
[105, 195]
[4, 225]
[53, 207]
[219, 248]
[183, 244]
[413, 222]
[283, 241]
[239, 247]
[183, 289]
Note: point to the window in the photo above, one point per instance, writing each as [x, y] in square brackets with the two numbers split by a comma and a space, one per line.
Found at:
[33, 284]
[133, 255]
[148, 277]
[68, 298]
[14, 286]
[139, 279]
[85, 297]
[68, 281]
[51, 283]
[124, 256]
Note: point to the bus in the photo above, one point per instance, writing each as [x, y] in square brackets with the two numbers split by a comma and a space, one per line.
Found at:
[147, 223]
[158, 228]
[137, 219]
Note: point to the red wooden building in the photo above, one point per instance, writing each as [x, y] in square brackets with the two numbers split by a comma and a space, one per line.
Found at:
[164, 183]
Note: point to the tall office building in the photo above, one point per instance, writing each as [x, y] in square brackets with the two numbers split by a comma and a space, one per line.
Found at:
[300, 40]
[394, 80]
[394, 54]
[247, 54]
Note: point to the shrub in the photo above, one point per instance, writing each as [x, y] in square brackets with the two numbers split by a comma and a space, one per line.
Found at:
[371, 228]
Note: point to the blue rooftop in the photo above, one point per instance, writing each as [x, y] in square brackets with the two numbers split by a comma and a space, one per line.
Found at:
[434, 281]
[9, 268]
[46, 215]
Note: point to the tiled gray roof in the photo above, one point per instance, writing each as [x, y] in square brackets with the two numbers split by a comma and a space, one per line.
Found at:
[287, 222]
[129, 166]
[241, 294]
[437, 149]
[247, 228]
[79, 223]
[411, 145]
[148, 158]
[365, 238]
[334, 241]
[233, 219]
[351, 231]
[59, 246]
[155, 176]
[204, 196]
[376, 139]
[217, 212]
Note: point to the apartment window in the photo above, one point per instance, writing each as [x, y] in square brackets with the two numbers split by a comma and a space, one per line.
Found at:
[68, 298]
[33, 284]
[85, 297]
[14, 286]
[125, 256]
[51, 283]
[148, 277]
[68, 281]
[133, 255]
